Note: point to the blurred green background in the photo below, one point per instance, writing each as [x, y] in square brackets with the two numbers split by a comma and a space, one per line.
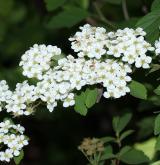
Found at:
[54, 137]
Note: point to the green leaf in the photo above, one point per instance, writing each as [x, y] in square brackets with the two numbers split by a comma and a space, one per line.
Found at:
[148, 147]
[119, 123]
[83, 3]
[107, 153]
[91, 97]
[157, 90]
[67, 18]
[157, 146]
[115, 123]
[124, 150]
[155, 5]
[156, 163]
[125, 134]
[138, 90]
[18, 159]
[53, 4]
[150, 23]
[154, 68]
[157, 125]
[108, 139]
[146, 127]
[123, 121]
[134, 156]
[80, 106]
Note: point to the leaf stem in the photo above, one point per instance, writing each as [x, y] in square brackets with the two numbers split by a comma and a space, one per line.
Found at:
[125, 10]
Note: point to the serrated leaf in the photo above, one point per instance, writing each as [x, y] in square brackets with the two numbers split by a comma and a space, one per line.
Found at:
[157, 125]
[91, 97]
[138, 90]
[80, 106]
[126, 134]
[67, 18]
[155, 5]
[150, 23]
[19, 158]
[53, 4]
[134, 156]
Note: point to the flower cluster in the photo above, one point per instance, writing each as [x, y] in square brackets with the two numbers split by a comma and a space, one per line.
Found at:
[5, 93]
[129, 44]
[104, 58]
[11, 139]
[90, 41]
[21, 99]
[37, 60]
[72, 74]
[91, 146]
[157, 47]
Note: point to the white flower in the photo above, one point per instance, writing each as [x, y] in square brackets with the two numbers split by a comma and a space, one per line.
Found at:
[13, 142]
[37, 60]
[143, 61]
[69, 101]
[90, 41]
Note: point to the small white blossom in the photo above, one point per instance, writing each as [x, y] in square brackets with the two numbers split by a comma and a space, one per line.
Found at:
[13, 141]
[37, 60]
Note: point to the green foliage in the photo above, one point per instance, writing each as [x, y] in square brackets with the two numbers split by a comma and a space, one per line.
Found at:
[157, 125]
[85, 100]
[134, 156]
[157, 90]
[150, 23]
[155, 5]
[148, 147]
[6, 7]
[119, 123]
[53, 4]
[19, 158]
[91, 97]
[80, 106]
[156, 163]
[107, 153]
[154, 68]
[157, 146]
[67, 18]
[126, 134]
[138, 90]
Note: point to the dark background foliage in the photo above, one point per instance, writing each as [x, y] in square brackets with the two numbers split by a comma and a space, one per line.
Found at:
[54, 137]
